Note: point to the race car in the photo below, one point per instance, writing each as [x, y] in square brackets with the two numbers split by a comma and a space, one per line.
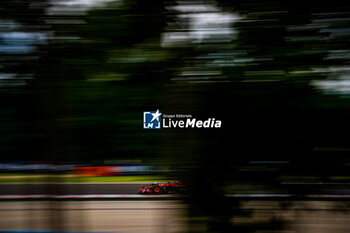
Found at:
[169, 187]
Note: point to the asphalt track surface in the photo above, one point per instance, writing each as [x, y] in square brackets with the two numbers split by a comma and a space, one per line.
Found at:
[70, 188]
[132, 189]
[167, 217]
[93, 216]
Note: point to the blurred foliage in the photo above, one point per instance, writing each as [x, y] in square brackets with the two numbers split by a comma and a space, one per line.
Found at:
[79, 94]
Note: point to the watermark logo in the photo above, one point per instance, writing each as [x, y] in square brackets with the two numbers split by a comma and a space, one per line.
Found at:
[152, 120]
[157, 120]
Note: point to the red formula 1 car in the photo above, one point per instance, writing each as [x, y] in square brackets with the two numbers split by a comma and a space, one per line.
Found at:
[169, 187]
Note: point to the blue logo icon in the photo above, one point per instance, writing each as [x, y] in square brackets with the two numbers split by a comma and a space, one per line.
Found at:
[151, 120]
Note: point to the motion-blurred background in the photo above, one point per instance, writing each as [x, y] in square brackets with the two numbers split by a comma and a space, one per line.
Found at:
[76, 76]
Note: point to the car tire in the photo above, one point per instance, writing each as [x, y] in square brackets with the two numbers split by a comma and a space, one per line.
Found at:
[157, 190]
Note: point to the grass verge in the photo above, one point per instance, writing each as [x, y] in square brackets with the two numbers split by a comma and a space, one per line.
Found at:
[72, 179]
